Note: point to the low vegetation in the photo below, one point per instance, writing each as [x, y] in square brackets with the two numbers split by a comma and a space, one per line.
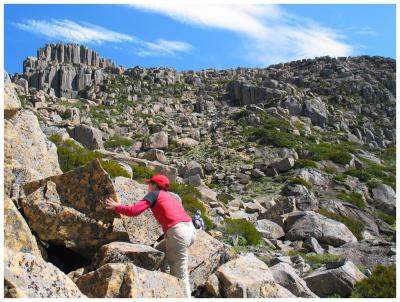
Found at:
[354, 225]
[301, 181]
[71, 156]
[303, 163]
[381, 284]
[140, 173]
[117, 141]
[243, 228]
[353, 198]
[317, 261]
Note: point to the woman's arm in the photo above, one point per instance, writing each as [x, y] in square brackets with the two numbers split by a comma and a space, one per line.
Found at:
[133, 210]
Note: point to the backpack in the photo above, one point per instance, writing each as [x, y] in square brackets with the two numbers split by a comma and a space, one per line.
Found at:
[197, 222]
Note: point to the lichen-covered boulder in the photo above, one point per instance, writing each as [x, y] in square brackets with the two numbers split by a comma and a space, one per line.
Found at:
[339, 280]
[125, 280]
[205, 256]
[11, 101]
[286, 276]
[123, 252]
[66, 210]
[245, 277]
[142, 229]
[17, 235]
[29, 276]
[310, 224]
[29, 146]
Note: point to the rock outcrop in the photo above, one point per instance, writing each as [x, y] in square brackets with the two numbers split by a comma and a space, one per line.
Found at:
[66, 68]
[29, 276]
[71, 212]
[125, 280]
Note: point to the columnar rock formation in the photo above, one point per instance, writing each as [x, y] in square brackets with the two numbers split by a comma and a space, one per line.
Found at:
[65, 68]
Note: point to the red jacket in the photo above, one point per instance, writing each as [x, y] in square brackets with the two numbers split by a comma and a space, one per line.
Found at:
[167, 210]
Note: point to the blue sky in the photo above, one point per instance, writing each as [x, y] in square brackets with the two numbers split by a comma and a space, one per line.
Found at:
[199, 37]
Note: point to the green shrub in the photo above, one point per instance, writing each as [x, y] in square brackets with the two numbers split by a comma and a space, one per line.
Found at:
[274, 137]
[243, 228]
[189, 195]
[381, 284]
[330, 170]
[117, 141]
[302, 163]
[72, 156]
[341, 177]
[141, 173]
[353, 198]
[390, 219]
[301, 181]
[182, 188]
[354, 225]
[339, 153]
[113, 168]
[317, 261]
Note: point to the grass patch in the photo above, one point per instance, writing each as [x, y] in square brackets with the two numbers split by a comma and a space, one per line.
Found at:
[117, 141]
[381, 284]
[354, 225]
[389, 219]
[303, 163]
[339, 153]
[72, 156]
[244, 228]
[353, 198]
[341, 177]
[330, 170]
[301, 181]
[189, 195]
[317, 261]
[141, 173]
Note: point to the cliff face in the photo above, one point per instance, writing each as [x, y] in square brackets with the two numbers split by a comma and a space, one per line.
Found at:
[65, 68]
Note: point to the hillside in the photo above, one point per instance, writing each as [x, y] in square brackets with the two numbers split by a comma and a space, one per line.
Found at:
[293, 166]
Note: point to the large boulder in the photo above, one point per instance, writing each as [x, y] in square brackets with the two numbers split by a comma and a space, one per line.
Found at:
[11, 101]
[269, 229]
[17, 235]
[155, 154]
[89, 137]
[205, 256]
[29, 146]
[245, 277]
[283, 165]
[123, 252]
[339, 280]
[366, 253]
[310, 224]
[286, 276]
[29, 276]
[142, 229]
[385, 198]
[66, 210]
[191, 169]
[316, 110]
[157, 140]
[303, 198]
[125, 280]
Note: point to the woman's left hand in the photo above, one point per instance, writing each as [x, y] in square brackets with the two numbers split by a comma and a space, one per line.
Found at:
[110, 203]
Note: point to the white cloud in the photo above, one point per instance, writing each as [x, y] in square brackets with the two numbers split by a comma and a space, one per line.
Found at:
[66, 30]
[163, 47]
[271, 34]
[83, 32]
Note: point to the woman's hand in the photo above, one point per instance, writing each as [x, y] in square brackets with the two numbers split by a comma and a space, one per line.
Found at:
[110, 203]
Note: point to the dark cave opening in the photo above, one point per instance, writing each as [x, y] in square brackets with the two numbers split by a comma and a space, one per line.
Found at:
[65, 259]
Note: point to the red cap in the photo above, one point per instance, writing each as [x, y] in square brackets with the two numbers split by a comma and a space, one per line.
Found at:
[161, 180]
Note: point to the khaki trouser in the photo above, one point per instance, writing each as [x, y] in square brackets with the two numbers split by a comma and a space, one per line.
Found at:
[176, 244]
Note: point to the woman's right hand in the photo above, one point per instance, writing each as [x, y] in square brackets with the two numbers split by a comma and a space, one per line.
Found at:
[110, 203]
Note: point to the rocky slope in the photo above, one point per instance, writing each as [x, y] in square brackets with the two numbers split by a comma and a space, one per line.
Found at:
[304, 151]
